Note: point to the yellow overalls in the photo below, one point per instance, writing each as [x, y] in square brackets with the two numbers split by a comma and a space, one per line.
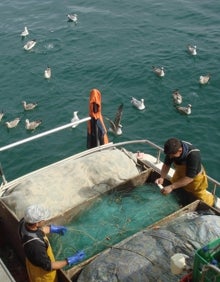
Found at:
[38, 274]
[197, 187]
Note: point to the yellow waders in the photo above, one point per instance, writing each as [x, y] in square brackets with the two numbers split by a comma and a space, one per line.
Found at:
[197, 187]
[37, 274]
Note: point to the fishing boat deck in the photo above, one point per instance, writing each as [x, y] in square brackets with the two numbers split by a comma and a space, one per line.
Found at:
[63, 175]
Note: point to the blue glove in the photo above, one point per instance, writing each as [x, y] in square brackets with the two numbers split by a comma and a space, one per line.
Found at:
[58, 229]
[76, 258]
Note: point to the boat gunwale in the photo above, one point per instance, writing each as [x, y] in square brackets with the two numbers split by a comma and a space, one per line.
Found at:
[13, 183]
[74, 272]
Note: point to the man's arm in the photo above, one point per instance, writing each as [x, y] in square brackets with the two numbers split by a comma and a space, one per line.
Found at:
[164, 171]
[58, 264]
[178, 184]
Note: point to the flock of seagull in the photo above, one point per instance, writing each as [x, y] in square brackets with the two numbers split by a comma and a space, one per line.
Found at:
[29, 125]
[116, 126]
[177, 97]
[31, 43]
[32, 125]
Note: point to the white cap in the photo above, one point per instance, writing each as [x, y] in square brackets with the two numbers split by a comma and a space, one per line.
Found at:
[35, 213]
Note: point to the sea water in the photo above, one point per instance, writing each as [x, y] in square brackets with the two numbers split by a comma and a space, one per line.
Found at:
[112, 48]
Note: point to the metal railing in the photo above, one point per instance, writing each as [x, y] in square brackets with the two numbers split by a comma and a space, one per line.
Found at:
[40, 135]
[43, 134]
[158, 149]
[208, 267]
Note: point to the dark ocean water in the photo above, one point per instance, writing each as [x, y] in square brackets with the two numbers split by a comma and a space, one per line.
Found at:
[112, 48]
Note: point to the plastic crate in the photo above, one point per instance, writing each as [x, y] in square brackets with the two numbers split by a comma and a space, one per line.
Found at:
[209, 254]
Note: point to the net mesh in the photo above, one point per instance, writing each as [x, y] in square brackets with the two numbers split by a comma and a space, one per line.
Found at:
[112, 218]
[69, 183]
[146, 255]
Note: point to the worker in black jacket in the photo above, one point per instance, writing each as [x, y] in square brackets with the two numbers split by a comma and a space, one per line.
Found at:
[40, 262]
[189, 173]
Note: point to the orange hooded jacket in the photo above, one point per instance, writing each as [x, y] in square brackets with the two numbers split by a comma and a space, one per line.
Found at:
[96, 130]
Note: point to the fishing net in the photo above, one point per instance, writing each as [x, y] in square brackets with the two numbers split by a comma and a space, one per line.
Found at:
[112, 218]
[146, 255]
[71, 182]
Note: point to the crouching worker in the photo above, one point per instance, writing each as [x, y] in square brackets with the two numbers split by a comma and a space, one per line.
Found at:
[40, 262]
[189, 173]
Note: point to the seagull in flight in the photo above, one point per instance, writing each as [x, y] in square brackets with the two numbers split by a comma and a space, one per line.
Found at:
[185, 110]
[29, 106]
[13, 123]
[31, 125]
[138, 104]
[75, 118]
[115, 126]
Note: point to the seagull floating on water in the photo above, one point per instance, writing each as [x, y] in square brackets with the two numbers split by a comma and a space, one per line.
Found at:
[30, 44]
[192, 49]
[115, 126]
[1, 115]
[13, 123]
[72, 18]
[47, 73]
[25, 32]
[185, 110]
[31, 125]
[204, 79]
[75, 118]
[177, 97]
[159, 71]
[138, 104]
[29, 106]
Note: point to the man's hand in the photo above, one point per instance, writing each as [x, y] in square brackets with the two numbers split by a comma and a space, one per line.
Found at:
[167, 190]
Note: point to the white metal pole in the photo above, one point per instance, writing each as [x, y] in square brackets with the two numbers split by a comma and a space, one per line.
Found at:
[43, 134]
